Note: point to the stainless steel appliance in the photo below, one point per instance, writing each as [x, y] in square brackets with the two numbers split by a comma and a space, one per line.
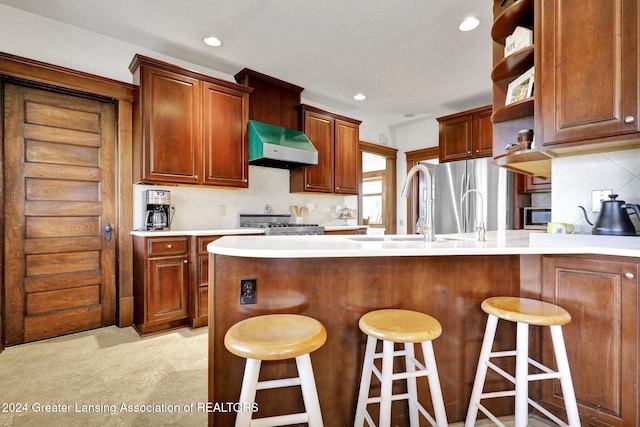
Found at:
[472, 193]
[279, 147]
[278, 225]
[158, 210]
[536, 218]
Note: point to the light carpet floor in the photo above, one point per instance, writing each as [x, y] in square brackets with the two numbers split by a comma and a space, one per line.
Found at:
[111, 377]
[111, 370]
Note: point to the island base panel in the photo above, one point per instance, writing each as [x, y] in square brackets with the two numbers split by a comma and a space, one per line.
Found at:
[337, 291]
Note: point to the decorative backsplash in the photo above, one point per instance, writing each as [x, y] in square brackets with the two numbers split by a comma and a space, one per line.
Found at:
[200, 208]
[573, 179]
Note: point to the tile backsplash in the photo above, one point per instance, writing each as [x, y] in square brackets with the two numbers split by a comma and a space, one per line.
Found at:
[573, 179]
[204, 208]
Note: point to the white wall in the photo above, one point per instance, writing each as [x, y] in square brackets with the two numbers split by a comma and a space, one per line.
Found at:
[573, 179]
[409, 136]
[31, 36]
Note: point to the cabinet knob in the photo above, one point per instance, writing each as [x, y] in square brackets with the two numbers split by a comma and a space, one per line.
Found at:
[629, 275]
[185, 261]
[169, 246]
[629, 119]
[469, 152]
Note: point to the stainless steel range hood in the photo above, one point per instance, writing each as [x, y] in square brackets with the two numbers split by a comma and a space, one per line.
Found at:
[278, 147]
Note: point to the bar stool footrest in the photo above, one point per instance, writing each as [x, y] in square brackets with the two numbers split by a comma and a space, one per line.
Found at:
[284, 382]
[280, 420]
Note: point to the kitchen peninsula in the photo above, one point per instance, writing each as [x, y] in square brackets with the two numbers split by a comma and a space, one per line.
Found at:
[336, 279]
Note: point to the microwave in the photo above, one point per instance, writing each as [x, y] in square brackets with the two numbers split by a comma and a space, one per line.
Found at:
[536, 218]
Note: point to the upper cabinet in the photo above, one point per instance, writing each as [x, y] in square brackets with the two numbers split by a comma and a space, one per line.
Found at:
[272, 101]
[466, 135]
[586, 92]
[588, 63]
[189, 128]
[337, 139]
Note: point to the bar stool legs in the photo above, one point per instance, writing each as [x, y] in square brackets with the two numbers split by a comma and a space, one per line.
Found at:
[413, 368]
[277, 337]
[523, 312]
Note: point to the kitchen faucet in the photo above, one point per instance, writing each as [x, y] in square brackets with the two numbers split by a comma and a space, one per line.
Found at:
[424, 223]
[480, 228]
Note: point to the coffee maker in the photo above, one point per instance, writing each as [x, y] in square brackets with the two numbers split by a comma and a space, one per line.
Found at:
[158, 208]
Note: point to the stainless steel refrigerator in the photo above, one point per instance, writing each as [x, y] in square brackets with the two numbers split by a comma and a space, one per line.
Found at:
[454, 179]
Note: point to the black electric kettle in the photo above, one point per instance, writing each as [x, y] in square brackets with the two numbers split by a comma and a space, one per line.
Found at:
[614, 218]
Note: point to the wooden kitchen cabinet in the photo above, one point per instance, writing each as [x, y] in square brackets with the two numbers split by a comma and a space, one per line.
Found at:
[337, 140]
[466, 135]
[509, 119]
[199, 287]
[355, 231]
[601, 294]
[534, 184]
[161, 282]
[587, 75]
[188, 128]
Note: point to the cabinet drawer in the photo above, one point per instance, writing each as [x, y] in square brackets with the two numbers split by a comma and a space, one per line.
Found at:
[203, 241]
[168, 246]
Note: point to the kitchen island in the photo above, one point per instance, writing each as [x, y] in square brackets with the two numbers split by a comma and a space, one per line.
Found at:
[336, 279]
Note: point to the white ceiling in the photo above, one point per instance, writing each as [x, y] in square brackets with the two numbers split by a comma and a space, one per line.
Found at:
[407, 56]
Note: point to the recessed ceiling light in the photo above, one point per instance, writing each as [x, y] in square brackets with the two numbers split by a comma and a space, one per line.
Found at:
[213, 41]
[470, 23]
[359, 97]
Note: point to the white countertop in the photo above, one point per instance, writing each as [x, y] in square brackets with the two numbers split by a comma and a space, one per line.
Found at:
[220, 232]
[509, 242]
[228, 231]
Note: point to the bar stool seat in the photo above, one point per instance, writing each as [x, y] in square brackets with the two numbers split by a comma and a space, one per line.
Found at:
[277, 337]
[523, 312]
[407, 327]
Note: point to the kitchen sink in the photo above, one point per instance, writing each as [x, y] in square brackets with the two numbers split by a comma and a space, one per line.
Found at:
[405, 238]
[388, 238]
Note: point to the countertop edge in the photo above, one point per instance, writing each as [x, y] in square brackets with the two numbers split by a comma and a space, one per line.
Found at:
[344, 246]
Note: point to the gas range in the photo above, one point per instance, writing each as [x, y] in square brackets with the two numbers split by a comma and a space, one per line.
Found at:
[279, 225]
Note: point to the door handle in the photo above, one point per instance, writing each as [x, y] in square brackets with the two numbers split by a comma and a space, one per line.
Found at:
[107, 232]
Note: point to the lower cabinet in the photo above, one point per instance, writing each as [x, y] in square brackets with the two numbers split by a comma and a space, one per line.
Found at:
[171, 282]
[361, 230]
[199, 286]
[161, 283]
[601, 294]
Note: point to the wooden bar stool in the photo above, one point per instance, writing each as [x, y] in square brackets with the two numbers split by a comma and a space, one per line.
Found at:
[407, 327]
[277, 337]
[524, 312]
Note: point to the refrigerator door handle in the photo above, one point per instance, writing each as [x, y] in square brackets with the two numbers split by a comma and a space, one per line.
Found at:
[463, 212]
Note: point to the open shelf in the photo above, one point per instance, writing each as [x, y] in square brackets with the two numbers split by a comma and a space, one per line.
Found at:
[513, 65]
[530, 162]
[519, 13]
[515, 110]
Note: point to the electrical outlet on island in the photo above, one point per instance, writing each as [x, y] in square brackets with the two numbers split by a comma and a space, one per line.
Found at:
[248, 291]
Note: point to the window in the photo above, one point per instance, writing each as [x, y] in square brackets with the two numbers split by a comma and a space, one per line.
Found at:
[377, 199]
[372, 186]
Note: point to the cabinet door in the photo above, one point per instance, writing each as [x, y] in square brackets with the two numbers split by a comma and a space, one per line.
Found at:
[601, 294]
[171, 127]
[587, 78]
[483, 134]
[346, 157]
[225, 139]
[167, 288]
[320, 130]
[455, 138]
[534, 184]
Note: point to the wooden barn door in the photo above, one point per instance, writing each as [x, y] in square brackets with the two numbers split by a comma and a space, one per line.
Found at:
[59, 177]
